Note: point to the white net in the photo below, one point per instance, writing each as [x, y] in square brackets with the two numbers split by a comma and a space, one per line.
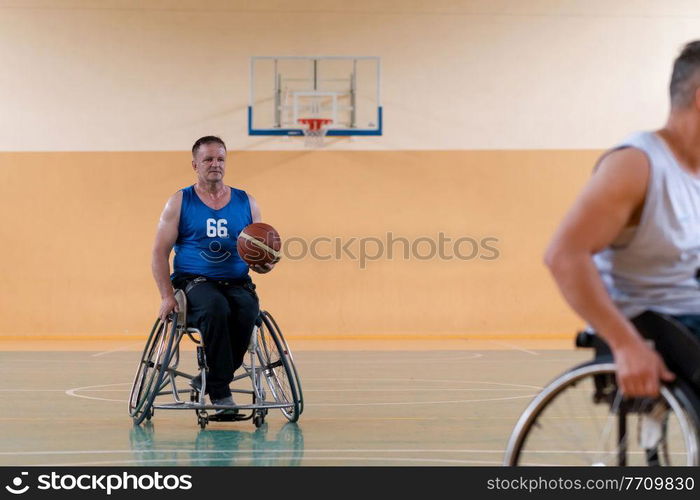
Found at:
[314, 131]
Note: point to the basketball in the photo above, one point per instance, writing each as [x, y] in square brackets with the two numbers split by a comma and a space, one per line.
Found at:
[259, 243]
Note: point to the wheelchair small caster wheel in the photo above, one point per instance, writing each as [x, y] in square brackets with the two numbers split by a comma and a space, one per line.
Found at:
[259, 420]
[150, 414]
[202, 419]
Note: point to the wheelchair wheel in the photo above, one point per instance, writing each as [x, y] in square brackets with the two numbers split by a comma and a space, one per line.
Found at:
[272, 325]
[581, 418]
[151, 369]
[276, 367]
[258, 419]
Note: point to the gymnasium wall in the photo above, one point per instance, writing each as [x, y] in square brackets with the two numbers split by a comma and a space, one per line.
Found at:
[494, 114]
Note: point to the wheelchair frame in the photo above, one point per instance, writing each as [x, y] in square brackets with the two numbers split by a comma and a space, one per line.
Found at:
[679, 398]
[269, 358]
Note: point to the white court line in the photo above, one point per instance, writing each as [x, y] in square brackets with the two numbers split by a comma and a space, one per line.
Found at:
[295, 457]
[415, 403]
[32, 390]
[323, 405]
[74, 392]
[62, 361]
[123, 348]
[421, 389]
[413, 389]
[506, 384]
[514, 347]
[524, 386]
[330, 450]
[359, 360]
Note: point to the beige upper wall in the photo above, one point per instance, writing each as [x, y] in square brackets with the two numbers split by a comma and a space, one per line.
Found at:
[154, 75]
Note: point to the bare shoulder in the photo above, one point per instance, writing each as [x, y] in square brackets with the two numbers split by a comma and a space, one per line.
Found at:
[624, 171]
[175, 200]
[624, 162]
[610, 201]
[172, 206]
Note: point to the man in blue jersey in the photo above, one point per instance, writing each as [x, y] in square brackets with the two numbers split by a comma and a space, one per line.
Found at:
[202, 222]
[631, 242]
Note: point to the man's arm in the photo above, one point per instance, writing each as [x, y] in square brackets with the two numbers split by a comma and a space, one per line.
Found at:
[166, 236]
[257, 217]
[613, 197]
[254, 209]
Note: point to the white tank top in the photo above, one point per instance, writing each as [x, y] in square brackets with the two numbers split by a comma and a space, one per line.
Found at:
[654, 265]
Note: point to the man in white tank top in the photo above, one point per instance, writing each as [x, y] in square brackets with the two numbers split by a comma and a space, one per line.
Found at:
[631, 242]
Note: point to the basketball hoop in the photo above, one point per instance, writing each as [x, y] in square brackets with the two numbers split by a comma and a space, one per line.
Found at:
[314, 131]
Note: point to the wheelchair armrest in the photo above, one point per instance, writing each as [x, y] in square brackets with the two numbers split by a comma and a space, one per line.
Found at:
[589, 339]
[585, 338]
[181, 300]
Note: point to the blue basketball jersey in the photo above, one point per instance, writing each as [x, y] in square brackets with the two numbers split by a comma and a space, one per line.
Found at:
[206, 243]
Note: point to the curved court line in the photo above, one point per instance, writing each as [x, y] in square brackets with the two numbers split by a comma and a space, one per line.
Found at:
[505, 384]
[397, 403]
[74, 392]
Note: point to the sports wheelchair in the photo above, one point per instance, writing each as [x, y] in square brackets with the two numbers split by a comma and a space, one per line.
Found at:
[268, 359]
[582, 418]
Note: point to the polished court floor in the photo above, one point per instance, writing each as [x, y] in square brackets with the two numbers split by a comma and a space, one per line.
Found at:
[362, 407]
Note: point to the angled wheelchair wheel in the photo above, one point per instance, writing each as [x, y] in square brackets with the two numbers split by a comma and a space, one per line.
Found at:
[582, 419]
[276, 365]
[150, 372]
[272, 325]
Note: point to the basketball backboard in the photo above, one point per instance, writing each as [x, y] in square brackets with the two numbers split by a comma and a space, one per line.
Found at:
[343, 89]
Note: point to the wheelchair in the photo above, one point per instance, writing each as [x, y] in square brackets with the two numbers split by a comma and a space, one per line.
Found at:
[269, 367]
[582, 418]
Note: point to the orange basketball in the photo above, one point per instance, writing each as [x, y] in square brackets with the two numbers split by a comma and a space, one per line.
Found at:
[259, 243]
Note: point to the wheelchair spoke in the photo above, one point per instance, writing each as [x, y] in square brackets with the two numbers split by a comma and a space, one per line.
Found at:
[276, 363]
[605, 434]
[149, 380]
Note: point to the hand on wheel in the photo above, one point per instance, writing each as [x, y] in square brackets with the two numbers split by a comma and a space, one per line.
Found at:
[639, 370]
[168, 305]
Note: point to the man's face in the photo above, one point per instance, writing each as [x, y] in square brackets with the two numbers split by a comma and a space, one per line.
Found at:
[210, 162]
